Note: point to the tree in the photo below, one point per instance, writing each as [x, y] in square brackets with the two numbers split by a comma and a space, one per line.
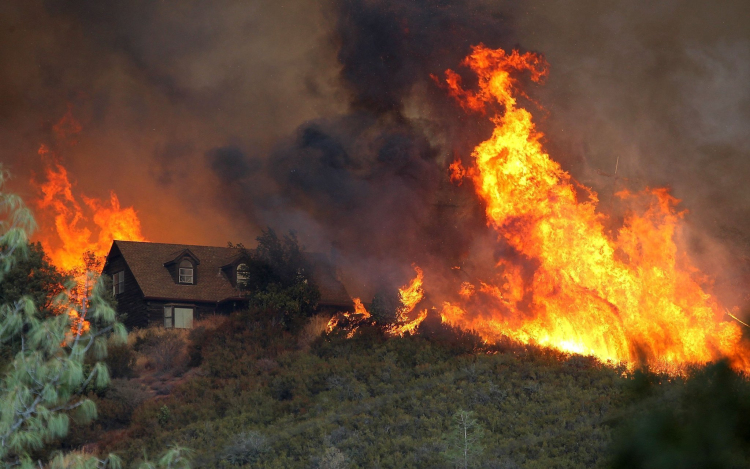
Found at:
[699, 424]
[279, 279]
[464, 442]
[45, 382]
[33, 276]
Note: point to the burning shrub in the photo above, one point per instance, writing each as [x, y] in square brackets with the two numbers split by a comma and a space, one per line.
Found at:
[314, 328]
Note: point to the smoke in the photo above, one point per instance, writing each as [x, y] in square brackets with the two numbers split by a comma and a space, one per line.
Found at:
[371, 183]
[216, 119]
[155, 85]
[663, 88]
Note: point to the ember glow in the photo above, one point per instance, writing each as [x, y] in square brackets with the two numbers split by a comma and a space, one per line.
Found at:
[626, 298]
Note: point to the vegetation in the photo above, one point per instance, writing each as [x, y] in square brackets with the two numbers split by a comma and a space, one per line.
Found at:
[264, 398]
[32, 275]
[279, 280]
[261, 400]
[700, 422]
[44, 382]
[270, 388]
[384, 306]
[464, 443]
[53, 358]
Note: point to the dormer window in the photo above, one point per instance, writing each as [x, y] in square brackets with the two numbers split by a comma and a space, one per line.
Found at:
[186, 271]
[243, 275]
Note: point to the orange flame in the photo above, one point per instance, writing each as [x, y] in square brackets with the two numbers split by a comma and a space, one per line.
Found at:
[360, 309]
[67, 233]
[408, 326]
[73, 230]
[359, 315]
[457, 172]
[627, 298]
[410, 295]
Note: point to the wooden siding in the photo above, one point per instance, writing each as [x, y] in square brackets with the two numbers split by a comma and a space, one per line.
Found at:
[156, 310]
[130, 302]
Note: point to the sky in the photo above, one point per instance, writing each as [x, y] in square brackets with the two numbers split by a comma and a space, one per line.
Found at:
[215, 120]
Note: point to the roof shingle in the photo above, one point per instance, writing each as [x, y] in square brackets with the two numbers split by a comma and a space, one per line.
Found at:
[146, 262]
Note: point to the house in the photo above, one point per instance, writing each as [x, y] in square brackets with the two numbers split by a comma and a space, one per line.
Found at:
[175, 284]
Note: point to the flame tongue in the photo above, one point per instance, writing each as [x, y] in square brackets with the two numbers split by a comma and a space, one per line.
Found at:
[409, 295]
[75, 224]
[619, 299]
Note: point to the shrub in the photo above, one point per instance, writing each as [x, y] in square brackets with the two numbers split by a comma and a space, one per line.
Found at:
[280, 281]
[121, 360]
[384, 306]
[163, 416]
[314, 328]
[166, 350]
[245, 448]
[139, 339]
[333, 458]
[199, 336]
[128, 395]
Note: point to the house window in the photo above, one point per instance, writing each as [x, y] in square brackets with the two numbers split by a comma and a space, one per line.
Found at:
[243, 275]
[178, 317]
[118, 282]
[186, 271]
[168, 317]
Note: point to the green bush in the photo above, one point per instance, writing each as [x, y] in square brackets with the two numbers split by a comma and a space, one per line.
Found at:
[245, 448]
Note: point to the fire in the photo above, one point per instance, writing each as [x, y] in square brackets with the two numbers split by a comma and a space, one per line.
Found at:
[624, 298]
[408, 326]
[355, 318]
[76, 236]
[359, 309]
[75, 224]
[457, 172]
[409, 295]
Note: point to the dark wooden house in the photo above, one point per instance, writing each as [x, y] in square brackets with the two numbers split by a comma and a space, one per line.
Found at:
[175, 284]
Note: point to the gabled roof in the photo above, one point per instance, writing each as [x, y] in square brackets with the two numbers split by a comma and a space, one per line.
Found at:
[147, 263]
[181, 255]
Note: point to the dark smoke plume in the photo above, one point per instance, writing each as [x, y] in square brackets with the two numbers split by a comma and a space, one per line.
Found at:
[373, 182]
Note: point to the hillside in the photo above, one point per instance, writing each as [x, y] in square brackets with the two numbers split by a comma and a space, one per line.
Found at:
[261, 399]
